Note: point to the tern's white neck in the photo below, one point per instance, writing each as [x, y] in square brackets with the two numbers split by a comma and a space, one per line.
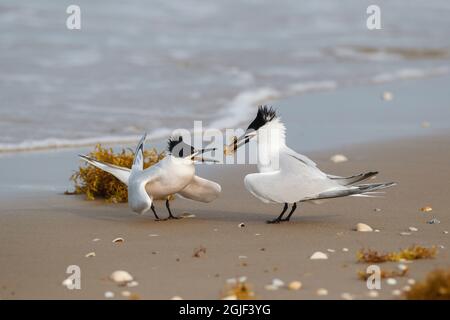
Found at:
[271, 140]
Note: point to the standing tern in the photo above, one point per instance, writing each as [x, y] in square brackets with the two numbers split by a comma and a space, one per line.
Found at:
[175, 174]
[288, 177]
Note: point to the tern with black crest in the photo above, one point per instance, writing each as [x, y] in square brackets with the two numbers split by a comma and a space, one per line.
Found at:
[175, 174]
[287, 177]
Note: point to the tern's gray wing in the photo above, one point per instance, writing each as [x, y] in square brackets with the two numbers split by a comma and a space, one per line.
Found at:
[294, 181]
[201, 190]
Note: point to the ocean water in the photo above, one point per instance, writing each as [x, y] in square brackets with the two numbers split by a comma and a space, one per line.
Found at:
[159, 65]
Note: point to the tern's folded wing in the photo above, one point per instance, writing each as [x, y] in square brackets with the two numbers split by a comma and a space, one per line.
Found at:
[201, 190]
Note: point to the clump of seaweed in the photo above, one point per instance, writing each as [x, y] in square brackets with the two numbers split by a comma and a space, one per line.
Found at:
[436, 286]
[238, 289]
[411, 253]
[96, 183]
[384, 274]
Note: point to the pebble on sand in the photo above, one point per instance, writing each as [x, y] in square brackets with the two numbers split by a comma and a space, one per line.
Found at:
[121, 277]
[109, 295]
[318, 255]
[426, 209]
[118, 240]
[362, 227]
[322, 292]
[90, 255]
[387, 96]
[295, 285]
[338, 158]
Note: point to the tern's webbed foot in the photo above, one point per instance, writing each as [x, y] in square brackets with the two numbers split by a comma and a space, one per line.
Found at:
[277, 220]
[173, 217]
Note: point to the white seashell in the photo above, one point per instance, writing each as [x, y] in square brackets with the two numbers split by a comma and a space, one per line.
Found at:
[187, 215]
[125, 293]
[377, 210]
[132, 284]
[242, 279]
[322, 292]
[387, 96]
[277, 283]
[346, 296]
[445, 232]
[331, 250]
[95, 240]
[121, 277]
[402, 267]
[67, 282]
[391, 281]
[396, 292]
[338, 158]
[345, 249]
[90, 255]
[362, 227]
[257, 234]
[176, 298]
[109, 295]
[271, 287]
[373, 294]
[118, 240]
[376, 230]
[319, 256]
[413, 229]
[411, 282]
[295, 285]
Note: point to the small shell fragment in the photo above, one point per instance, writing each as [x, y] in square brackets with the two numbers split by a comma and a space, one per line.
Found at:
[271, 287]
[95, 240]
[295, 285]
[176, 298]
[391, 281]
[426, 209]
[362, 227]
[405, 233]
[402, 267]
[413, 229]
[121, 277]
[118, 240]
[338, 158]
[377, 210]
[90, 255]
[331, 250]
[318, 255]
[132, 284]
[445, 232]
[278, 283]
[126, 293]
[187, 215]
[322, 292]
[109, 295]
[345, 249]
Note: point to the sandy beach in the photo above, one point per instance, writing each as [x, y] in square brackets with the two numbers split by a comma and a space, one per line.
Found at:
[42, 234]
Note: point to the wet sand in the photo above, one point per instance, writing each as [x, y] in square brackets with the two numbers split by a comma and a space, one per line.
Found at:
[41, 236]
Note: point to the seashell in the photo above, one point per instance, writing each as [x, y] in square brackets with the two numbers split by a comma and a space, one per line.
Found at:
[318, 255]
[346, 296]
[322, 292]
[295, 285]
[391, 281]
[445, 232]
[176, 298]
[132, 284]
[95, 240]
[433, 221]
[121, 277]
[362, 227]
[126, 294]
[411, 282]
[67, 282]
[331, 250]
[241, 225]
[376, 230]
[387, 96]
[271, 287]
[278, 283]
[396, 292]
[426, 209]
[413, 229]
[231, 297]
[377, 210]
[373, 294]
[109, 295]
[118, 240]
[90, 255]
[338, 158]
[345, 249]
[402, 267]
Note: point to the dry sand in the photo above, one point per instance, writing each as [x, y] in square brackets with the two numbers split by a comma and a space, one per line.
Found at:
[41, 237]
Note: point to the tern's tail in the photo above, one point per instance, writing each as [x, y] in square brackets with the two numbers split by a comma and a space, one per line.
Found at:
[362, 190]
[120, 173]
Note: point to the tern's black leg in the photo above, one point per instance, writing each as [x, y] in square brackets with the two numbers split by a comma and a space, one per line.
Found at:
[154, 212]
[278, 220]
[290, 213]
[170, 213]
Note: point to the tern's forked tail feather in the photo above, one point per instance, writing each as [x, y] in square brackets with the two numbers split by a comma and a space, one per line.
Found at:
[366, 190]
[120, 173]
